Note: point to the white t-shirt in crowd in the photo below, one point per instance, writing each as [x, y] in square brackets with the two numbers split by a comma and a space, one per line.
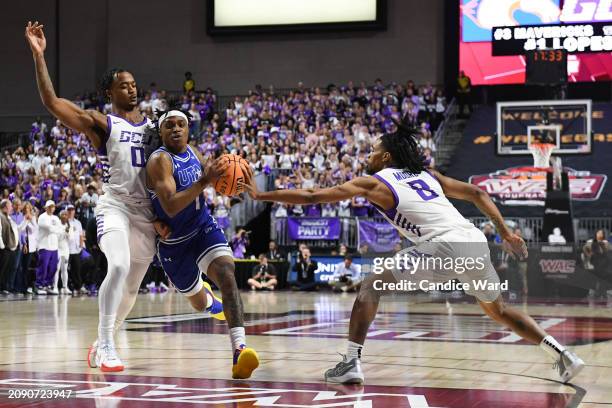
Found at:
[74, 236]
[49, 227]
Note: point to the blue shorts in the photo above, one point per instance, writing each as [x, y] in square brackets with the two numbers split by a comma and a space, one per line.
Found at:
[185, 260]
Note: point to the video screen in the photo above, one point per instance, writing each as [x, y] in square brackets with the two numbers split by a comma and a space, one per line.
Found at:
[248, 16]
[478, 17]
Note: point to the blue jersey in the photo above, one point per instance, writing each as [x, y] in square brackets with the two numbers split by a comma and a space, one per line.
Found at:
[187, 169]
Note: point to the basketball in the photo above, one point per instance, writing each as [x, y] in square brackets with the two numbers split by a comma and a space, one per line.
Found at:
[227, 184]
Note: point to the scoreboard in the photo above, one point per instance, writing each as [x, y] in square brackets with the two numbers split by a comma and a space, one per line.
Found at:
[546, 67]
[573, 38]
[497, 36]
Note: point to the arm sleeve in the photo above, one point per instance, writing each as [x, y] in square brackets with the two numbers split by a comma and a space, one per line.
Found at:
[1, 241]
[357, 272]
[22, 226]
[59, 229]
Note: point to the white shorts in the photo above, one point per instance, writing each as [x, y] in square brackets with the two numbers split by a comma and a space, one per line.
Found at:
[113, 214]
[443, 258]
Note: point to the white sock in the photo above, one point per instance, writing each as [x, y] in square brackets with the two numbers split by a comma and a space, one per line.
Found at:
[238, 337]
[105, 329]
[353, 350]
[552, 347]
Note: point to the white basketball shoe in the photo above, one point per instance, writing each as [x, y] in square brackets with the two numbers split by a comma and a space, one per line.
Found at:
[107, 359]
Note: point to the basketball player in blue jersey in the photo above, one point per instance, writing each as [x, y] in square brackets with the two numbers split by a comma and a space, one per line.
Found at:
[125, 218]
[414, 201]
[196, 245]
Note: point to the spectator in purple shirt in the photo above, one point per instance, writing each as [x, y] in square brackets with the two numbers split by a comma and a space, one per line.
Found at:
[240, 242]
[359, 207]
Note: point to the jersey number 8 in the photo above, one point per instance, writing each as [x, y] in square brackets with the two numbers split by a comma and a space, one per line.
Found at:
[423, 189]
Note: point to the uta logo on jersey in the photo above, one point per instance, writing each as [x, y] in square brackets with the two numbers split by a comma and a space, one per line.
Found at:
[189, 175]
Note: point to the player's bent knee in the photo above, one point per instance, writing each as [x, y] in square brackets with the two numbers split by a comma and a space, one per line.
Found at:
[222, 267]
[495, 310]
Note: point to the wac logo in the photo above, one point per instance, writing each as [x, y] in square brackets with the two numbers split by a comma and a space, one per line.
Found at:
[527, 185]
[558, 265]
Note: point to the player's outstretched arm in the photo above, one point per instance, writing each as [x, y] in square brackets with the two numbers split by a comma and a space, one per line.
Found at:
[360, 186]
[160, 179]
[469, 192]
[90, 122]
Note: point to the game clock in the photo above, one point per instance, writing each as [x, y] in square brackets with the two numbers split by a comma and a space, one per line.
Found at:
[546, 67]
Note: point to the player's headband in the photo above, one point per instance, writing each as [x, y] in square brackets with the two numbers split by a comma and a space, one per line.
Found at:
[171, 114]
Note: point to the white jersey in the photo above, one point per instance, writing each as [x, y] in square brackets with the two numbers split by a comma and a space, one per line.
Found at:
[421, 209]
[124, 155]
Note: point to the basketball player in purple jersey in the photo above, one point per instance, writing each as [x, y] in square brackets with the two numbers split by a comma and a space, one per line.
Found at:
[414, 201]
[125, 218]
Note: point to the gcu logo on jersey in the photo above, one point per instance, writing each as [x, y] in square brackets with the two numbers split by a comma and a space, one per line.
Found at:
[189, 175]
[134, 137]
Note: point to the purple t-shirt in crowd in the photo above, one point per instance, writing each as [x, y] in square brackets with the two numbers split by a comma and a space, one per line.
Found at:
[312, 210]
[361, 211]
[239, 247]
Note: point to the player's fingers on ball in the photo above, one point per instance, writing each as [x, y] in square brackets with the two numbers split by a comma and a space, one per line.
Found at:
[247, 169]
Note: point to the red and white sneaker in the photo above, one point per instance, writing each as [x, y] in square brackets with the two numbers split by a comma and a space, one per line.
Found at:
[107, 359]
[91, 355]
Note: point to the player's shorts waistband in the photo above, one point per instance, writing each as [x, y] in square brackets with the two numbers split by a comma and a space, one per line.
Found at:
[178, 240]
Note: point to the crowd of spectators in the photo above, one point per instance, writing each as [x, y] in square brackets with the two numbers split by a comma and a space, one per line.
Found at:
[304, 137]
[319, 138]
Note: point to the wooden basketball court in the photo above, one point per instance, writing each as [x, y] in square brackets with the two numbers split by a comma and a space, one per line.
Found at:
[420, 353]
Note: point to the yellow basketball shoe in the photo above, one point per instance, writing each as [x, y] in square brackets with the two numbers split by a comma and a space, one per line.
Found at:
[246, 361]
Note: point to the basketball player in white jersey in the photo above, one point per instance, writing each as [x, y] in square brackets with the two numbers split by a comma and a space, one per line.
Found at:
[414, 201]
[126, 228]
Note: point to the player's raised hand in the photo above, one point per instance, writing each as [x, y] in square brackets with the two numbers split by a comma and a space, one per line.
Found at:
[515, 246]
[36, 37]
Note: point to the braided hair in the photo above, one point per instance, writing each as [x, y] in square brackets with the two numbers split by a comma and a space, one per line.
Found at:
[403, 147]
[106, 82]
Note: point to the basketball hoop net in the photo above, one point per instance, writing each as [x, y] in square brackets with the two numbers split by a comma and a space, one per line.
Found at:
[541, 154]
